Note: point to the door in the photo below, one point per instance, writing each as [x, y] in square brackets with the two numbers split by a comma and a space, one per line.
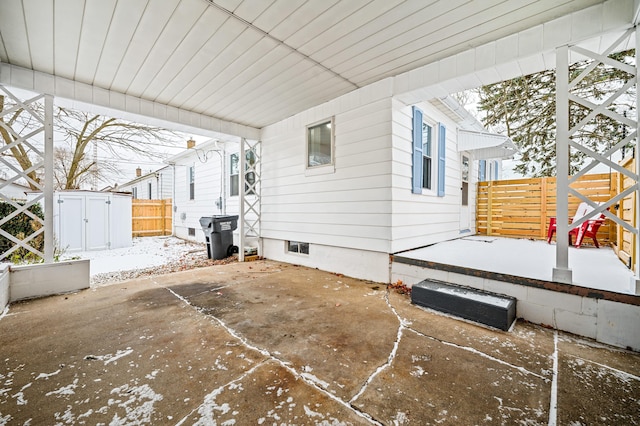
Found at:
[97, 222]
[71, 223]
[464, 198]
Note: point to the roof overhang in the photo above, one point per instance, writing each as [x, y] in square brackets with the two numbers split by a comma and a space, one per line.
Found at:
[485, 145]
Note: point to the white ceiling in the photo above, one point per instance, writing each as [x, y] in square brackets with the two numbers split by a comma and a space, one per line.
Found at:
[252, 62]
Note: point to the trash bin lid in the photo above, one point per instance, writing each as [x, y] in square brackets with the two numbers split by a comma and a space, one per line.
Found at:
[206, 222]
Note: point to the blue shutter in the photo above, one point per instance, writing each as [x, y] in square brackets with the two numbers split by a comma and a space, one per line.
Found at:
[416, 173]
[482, 166]
[442, 155]
[495, 169]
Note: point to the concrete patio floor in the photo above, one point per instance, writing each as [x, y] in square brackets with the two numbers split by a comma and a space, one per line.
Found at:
[271, 343]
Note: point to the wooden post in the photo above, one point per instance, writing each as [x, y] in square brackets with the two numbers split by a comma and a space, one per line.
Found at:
[543, 207]
[489, 207]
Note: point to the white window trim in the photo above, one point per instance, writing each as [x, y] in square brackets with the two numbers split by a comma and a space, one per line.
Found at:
[324, 168]
[235, 174]
[433, 191]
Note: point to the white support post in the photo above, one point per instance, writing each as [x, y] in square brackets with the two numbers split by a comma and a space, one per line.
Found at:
[635, 283]
[241, 190]
[48, 179]
[562, 273]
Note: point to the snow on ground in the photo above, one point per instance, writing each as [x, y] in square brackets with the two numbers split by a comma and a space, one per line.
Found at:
[146, 252]
[147, 256]
[592, 267]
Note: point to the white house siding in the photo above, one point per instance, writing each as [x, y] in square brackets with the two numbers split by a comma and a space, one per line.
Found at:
[349, 207]
[161, 185]
[206, 158]
[423, 219]
[187, 213]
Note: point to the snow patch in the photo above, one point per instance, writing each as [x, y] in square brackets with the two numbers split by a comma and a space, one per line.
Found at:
[138, 407]
[109, 357]
[65, 390]
[47, 375]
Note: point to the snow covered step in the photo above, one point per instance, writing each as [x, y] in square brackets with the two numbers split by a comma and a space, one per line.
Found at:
[494, 310]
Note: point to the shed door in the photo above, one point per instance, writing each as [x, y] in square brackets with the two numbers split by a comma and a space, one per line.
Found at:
[71, 223]
[97, 222]
[464, 199]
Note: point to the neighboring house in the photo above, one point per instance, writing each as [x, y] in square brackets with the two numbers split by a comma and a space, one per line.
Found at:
[13, 191]
[350, 182]
[157, 185]
[206, 184]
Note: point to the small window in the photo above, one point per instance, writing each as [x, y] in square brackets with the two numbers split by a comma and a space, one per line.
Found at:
[427, 156]
[192, 232]
[297, 247]
[234, 175]
[149, 190]
[191, 178]
[320, 144]
[134, 192]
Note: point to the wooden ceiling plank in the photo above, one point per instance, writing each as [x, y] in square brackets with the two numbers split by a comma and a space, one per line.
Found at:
[383, 42]
[259, 88]
[230, 5]
[68, 19]
[95, 26]
[364, 32]
[154, 21]
[126, 17]
[300, 18]
[276, 13]
[249, 10]
[40, 29]
[371, 11]
[418, 52]
[14, 33]
[181, 23]
[314, 82]
[227, 69]
[204, 63]
[251, 78]
[295, 101]
[196, 43]
[232, 68]
[324, 21]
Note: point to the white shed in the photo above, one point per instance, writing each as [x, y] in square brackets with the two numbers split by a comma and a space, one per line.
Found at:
[90, 220]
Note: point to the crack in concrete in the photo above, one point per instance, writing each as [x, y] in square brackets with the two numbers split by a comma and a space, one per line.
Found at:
[392, 354]
[553, 400]
[217, 391]
[607, 367]
[467, 348]
[286, 365]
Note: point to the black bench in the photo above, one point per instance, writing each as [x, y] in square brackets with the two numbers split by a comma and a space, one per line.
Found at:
[494, 310]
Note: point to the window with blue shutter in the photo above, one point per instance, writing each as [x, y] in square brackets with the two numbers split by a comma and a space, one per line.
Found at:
[417, 166]
[442, 154]
[495, 169]
[482, 165]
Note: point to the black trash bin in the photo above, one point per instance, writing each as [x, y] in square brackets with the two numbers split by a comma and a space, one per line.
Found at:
[218, 231]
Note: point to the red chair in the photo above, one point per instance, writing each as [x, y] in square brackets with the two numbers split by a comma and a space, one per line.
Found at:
[588, 228]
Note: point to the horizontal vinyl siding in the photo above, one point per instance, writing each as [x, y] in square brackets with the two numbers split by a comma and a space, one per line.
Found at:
[347, 208]
[207, 191]
[423, 219]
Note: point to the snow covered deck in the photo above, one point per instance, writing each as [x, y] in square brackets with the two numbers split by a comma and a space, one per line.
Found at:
[592, 268]
[600, 304]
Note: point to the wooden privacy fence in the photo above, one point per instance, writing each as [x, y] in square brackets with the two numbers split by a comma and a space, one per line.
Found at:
[151, 217]
[521, 208]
